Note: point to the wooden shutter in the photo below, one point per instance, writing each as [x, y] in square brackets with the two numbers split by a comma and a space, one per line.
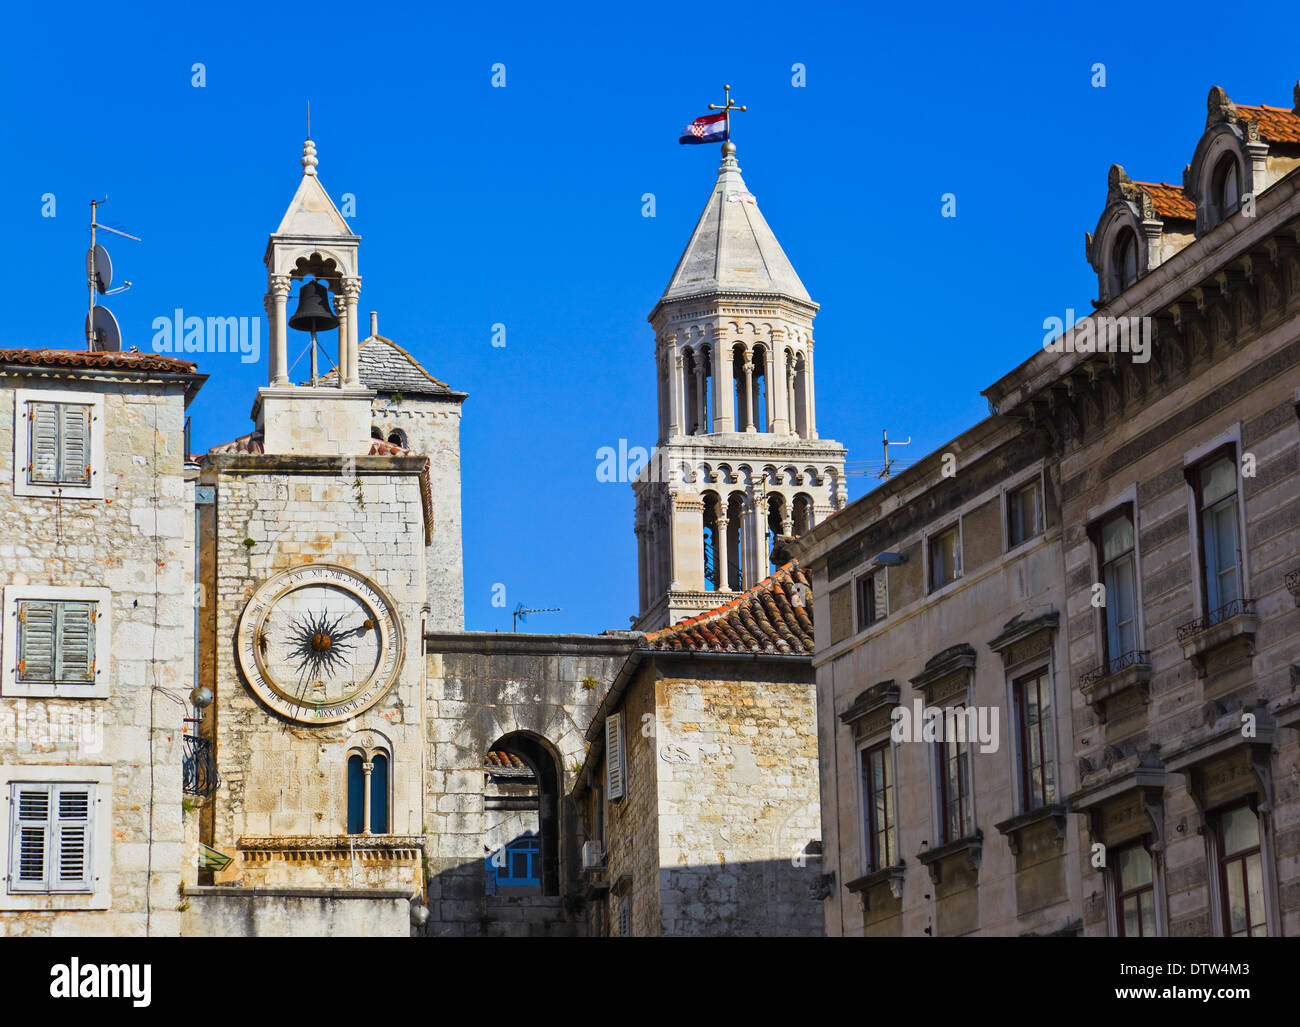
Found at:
[614, 766]
[75, 651]
[882, 593]
[28, 863]
[43, 442]
[36, 640]
[74, 444]
[71, 854]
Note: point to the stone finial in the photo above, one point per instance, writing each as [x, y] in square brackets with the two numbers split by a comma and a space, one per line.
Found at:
[1295, 96]
[1118, 185]
[1218, 107]
[309, 160]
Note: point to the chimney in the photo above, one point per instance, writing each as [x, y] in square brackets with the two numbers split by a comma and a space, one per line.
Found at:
[374, 323]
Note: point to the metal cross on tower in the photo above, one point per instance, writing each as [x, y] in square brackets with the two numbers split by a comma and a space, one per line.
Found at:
[727, 106]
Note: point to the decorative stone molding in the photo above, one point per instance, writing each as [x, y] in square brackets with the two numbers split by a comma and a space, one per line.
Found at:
[892, 876]
[1022, 640]
[1128, 673]
[872, 709]
[971, 847]
[1221, 763]
[330, 848]
[1014, 827]
[1293, 585]
[1233, 623]
[946, 674]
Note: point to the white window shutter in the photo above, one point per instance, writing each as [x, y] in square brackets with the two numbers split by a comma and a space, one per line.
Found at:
[75, 653]
[36, 640]
[882, 593]
[74, 444]
[614, 764]
[43, 442]
[28, 861]
[71, 856]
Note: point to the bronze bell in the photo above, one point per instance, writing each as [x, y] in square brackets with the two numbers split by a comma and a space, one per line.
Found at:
[313, 313]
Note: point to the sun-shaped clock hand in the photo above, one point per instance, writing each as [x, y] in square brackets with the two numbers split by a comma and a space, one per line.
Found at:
[318, 645]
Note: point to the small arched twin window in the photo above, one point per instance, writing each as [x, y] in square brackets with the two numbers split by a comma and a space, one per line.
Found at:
[367, 793]
[1226, 187]
[1123, 261]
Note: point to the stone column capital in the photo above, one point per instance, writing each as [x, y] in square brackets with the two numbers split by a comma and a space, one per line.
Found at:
[279, 285]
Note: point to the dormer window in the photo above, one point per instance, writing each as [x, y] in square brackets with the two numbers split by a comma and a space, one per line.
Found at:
[1123, 262]
[1226, 187]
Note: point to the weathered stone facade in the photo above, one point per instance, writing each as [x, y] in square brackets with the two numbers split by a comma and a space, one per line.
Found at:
[135, 543]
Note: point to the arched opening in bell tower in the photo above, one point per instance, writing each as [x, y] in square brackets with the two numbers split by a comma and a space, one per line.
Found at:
[737, 572]
[521, 804]
[776, 520]
[802, 519]
[713, 543]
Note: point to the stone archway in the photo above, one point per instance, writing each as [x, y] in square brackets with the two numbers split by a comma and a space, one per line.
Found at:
[521, 801]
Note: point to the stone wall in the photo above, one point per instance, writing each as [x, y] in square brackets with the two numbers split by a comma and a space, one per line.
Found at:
[228, 912]
[142, 550]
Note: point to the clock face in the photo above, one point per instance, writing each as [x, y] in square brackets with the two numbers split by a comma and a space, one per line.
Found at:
[319, 643]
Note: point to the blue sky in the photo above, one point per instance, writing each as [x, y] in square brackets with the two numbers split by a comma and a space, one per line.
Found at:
[522, 206]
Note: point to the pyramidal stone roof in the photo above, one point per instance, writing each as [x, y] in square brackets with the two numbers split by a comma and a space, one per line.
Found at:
[732, 248]
[384, 366]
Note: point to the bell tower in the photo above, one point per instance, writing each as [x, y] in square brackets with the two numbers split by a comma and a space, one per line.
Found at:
[315, 246]
[739, 461]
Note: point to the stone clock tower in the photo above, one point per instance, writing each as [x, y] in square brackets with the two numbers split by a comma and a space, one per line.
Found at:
[739, 458]
[314, 535]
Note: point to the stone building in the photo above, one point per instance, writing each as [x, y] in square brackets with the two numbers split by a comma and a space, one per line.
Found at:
[96, 652]
[738, 456]
[1155, 601]
[699, 793]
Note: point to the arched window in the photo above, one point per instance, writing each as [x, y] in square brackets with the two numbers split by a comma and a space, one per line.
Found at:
[1123, 262]
[1226, 186]
[522, 797]
[397, 437]
[712, 543]
[367, 793]
[376, 433]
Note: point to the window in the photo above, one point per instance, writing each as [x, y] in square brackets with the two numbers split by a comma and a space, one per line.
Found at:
[1135, 893]
[1037, 741]
[1024, 513]
[50, 837]
[519, 864]
[1241, 878]
[1226, 186]
[1215, 484]
[615, 769]
[397, 437]
[625, 917]
[873, 599]
[55, 642]
[954, 780]
[881, 847]
[945, 558]
[59, 444]
[367, 793]
[1113, 538]
[1123, 262]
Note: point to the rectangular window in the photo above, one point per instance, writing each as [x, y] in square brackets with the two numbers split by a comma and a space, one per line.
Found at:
[50, 837]
[56, 642]
[1241, 877]
[1037, 740]
[1219, 548]
[1024, 513]
[878, 807]
[58, 443]
[1135, 893]
[873, 599]
[1113, 538]
[945, 558]
[954, 779]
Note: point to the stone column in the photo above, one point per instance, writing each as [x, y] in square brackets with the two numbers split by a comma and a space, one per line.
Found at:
[366, 768]
[352, 292]
[720, 549]
[777, 391]
[749, 389]
[279, 295]
[723, 390]
[769, 365]
[790, 396]
[809, 392]
[701, 395]
[673, 363]
[341, 312]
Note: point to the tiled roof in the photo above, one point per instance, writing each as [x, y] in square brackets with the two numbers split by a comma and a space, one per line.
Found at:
[118, 361]
[384, 366]
[1169, 200]
[501, 758]
[775, 616]
[250, 443]
[1276, 124]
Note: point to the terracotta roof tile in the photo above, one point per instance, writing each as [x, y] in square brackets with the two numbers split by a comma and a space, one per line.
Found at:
[96, 361]
[1276, 124]
[1169, 200]
[775, 616]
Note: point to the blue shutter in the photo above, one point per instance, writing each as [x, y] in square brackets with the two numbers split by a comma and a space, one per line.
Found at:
[379, 795]
[43, 442]
[356, 795]
[28, 863]
[36, 638]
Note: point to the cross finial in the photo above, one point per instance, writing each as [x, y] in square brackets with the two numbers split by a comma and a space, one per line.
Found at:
[728, 107]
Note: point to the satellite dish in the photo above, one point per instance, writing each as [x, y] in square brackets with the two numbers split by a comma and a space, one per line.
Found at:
[99, 265]
[102, 331]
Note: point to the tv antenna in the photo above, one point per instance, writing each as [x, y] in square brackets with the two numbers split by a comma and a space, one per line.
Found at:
[889, 464]
[102, 332]
[522, 614]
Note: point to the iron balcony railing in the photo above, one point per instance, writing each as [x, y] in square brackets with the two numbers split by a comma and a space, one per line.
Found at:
[199, 766]
[1235, 608]
[1131, 658]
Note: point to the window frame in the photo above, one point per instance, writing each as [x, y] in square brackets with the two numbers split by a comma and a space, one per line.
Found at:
[930, 539]
[1046, 736]
[1193, 472]
[10, 683]
[965, 770]
[870, 857]
[1096, 527]
[872, 606]
[99, 780]
[1221, 861]
[22, 444]
[1118, 895]
[1040, 510]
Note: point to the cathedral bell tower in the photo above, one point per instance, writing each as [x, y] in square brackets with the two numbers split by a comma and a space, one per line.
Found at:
[739, 461]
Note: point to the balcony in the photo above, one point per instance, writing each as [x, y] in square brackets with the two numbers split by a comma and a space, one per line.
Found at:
[1128, 672]
[1232, 625]
[199, 766]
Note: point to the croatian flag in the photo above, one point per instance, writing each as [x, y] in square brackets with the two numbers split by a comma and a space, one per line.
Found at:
[709, 128]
